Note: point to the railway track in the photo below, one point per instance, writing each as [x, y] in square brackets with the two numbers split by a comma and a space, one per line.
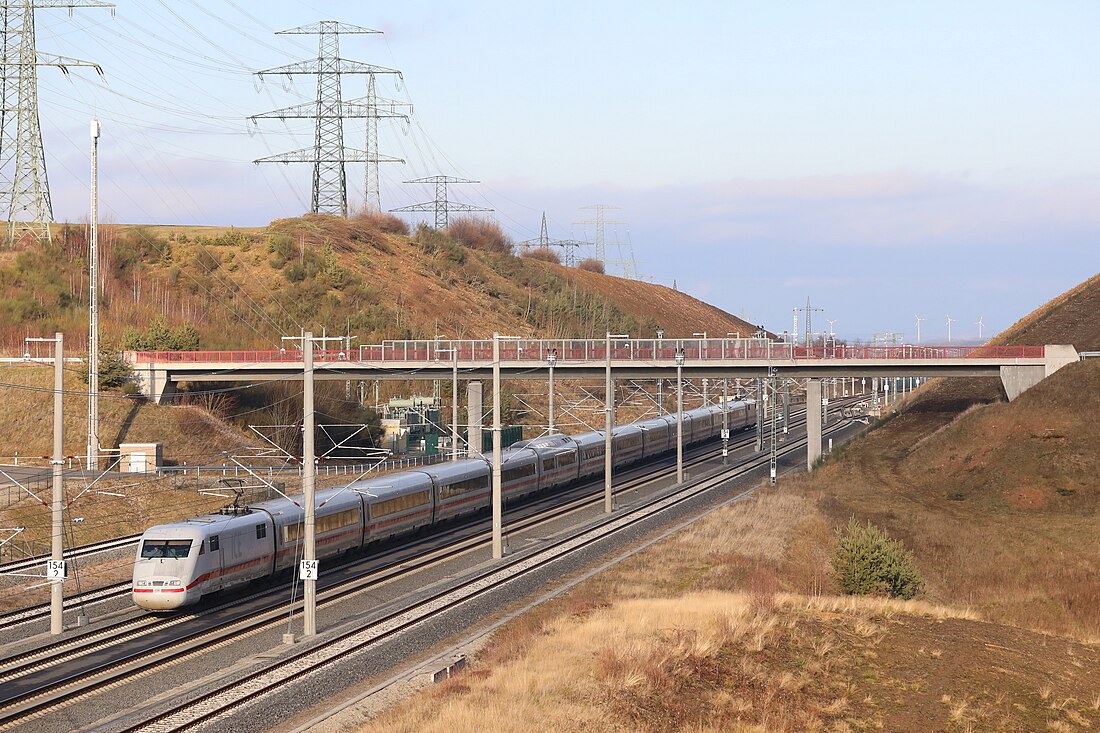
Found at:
[229, 696]
[31, 563]
[32, 703]
[65, 650]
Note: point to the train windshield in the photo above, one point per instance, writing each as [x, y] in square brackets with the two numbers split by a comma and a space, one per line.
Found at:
[165, 548]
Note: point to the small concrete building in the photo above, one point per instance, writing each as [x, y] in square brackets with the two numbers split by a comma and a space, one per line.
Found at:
[140, 457]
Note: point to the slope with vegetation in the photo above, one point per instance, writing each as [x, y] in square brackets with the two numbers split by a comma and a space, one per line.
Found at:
[738, 624]
[366, 276]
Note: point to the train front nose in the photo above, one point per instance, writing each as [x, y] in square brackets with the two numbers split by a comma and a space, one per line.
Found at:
[161, 593]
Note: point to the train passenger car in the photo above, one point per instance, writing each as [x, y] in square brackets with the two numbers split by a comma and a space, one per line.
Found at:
[398, 503]
[702, 425]
[178, 563]
[462, 487]
[558, 462]
[338, 525]
[626, 445]
[590, 452]
[519, 472]
[658, 435]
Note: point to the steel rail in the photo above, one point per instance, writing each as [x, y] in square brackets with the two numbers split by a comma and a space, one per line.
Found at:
[127, 629]
[229, 696]
[94, 639]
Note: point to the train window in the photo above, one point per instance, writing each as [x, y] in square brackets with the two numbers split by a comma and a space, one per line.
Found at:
[261, 531]
[202, 548]
[339, 520]
[567, 459]
[292, 532]
[165, 548]
[462, 487]
[214, 544]
[517, 473]
[548, 464]
[593, 452]
[399, 504]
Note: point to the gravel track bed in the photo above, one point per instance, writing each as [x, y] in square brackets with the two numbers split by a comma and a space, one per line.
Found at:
[424, 639]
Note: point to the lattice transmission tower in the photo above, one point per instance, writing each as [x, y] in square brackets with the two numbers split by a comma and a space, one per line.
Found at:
[378, 108]
[569, 246]
[328, 154]
[442, 206]
[25, 187]
[601, 223]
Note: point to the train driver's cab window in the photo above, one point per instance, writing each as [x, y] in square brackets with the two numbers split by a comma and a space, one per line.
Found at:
[174, 549]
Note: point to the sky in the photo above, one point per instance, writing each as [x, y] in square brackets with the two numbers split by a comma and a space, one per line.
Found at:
[884, 160]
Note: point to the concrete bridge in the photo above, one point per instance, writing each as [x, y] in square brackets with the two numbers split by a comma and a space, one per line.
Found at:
[1019, 367]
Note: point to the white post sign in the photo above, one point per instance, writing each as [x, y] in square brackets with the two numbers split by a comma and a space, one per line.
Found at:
[308, 570]
[55, 570]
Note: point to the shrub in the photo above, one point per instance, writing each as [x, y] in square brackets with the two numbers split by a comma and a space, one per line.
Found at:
[868, 562]
[543, 254]
[282, 246]
[381, 221]
[114, 371]
[591, 264]
[478, 233]
[158, 337]
[296, 273]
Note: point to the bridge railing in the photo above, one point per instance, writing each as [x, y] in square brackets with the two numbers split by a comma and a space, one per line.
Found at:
[591, 350]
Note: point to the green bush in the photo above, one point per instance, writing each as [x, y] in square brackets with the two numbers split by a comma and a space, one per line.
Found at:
[114, 371]
[295, 273]
[868, 562]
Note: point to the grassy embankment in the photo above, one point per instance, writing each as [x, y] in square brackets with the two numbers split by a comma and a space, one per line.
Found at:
[733, 624]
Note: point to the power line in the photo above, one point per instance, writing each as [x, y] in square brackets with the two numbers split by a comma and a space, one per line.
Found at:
[27, 192]
[328, 154]
[442, 206]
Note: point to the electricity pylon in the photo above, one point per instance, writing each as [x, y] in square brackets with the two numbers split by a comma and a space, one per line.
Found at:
[328, 154]
[26, 188]
[544, 242]
[442, 206]
[378, 108]
[600, 221]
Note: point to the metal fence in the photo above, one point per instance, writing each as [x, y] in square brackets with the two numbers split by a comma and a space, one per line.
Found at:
[591, 350]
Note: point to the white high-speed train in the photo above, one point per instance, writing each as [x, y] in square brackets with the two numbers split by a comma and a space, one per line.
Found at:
[179, 563]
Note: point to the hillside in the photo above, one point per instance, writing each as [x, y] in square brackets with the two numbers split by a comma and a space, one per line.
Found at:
[734, 623]
[364, 276]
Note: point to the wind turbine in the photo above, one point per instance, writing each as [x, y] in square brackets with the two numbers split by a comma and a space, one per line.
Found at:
[981, 325]
[919, 319]
[950, 320]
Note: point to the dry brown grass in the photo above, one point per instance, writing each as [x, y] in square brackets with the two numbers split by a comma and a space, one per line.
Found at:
[730, 625]
[591, 264]
[543, 254]
[477, 233]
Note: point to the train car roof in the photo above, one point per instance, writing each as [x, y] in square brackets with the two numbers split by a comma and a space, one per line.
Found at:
[655, 423]
[557, 440]
[589, 438]
[456, 470]
[399, 481]
[515, 457]
[626, 429]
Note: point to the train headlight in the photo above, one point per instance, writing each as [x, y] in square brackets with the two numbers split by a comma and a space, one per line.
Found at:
[142, 583]
[175, 582]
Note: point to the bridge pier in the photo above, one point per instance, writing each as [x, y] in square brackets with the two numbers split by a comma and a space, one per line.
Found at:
[1018, 379]
[473, 419]
[813, 422]
[155, 384]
